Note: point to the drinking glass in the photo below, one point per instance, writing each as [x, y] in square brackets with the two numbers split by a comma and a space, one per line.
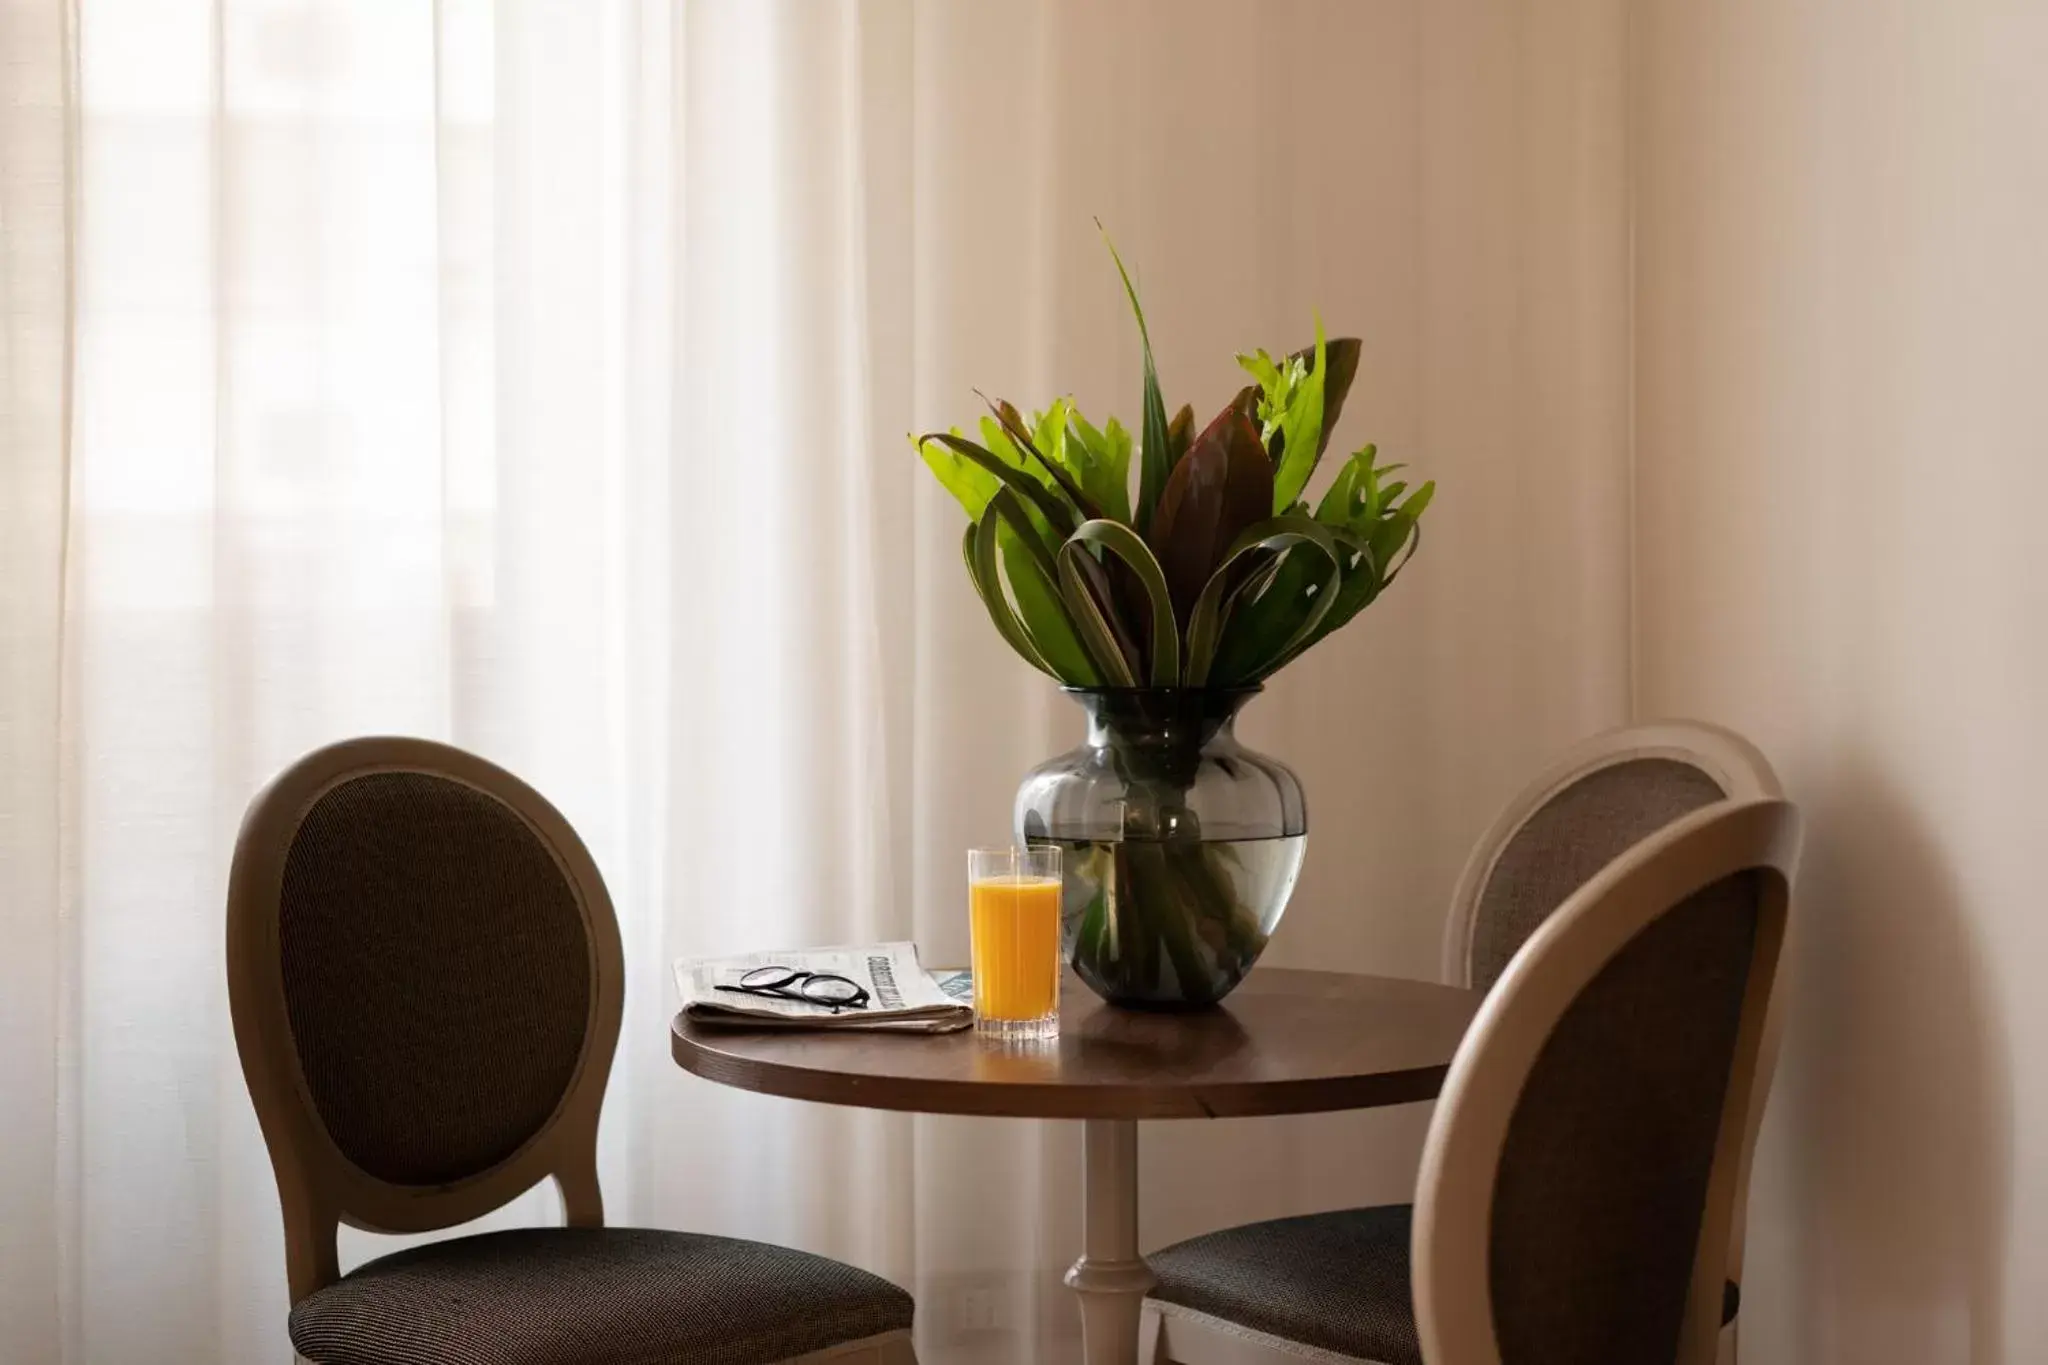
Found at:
[1013, 904]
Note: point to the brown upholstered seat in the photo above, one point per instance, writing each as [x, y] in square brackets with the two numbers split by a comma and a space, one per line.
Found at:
[608, 1296]
[1335, 1281]
[426, 981]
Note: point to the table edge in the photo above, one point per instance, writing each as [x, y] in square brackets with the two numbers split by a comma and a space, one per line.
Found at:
[1026, 1099]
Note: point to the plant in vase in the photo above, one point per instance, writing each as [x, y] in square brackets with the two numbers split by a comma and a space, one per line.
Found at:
[1162, 611]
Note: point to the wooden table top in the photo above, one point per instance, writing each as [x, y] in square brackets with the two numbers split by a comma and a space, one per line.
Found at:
[1285, 1042]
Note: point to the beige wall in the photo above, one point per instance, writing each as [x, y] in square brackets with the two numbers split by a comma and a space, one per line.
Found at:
[1469, 222]
[1842, 480]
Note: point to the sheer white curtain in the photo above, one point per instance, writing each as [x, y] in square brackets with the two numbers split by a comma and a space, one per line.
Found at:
[536, 376]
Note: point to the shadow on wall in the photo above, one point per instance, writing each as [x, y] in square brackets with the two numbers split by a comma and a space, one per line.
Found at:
[1898, 1097]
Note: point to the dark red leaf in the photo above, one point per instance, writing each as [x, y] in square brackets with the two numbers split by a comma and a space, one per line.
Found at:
[1127, 590]
[1223, 485]
[1115, 612]
[1179, 432]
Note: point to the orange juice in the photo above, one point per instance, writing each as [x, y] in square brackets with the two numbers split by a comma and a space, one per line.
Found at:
[1016, 946]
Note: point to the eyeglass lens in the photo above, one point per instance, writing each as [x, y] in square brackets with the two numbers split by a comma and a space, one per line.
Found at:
[830, 990]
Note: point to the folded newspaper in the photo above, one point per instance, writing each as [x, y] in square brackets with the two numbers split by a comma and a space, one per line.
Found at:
[901, 995]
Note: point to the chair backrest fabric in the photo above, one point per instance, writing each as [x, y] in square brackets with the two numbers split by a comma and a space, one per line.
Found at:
[436, 971]
[1580, 829]
[1604, 1174]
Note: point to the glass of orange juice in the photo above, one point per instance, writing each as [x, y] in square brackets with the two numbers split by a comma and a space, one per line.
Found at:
[1013, 904]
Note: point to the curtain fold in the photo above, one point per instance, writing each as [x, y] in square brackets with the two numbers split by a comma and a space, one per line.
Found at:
[36, 221]
[537, 376]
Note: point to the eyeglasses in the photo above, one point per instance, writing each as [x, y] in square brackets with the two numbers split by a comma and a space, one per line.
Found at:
[824, 989]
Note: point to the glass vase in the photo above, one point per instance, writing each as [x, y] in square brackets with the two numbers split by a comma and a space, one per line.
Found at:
[1181, 846]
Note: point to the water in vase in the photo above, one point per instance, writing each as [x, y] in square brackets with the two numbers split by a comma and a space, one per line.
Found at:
[1172, 923]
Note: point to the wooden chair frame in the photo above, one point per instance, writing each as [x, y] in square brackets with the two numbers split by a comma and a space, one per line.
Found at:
[1461, 1159]
[318, 1186]
[1743, 774]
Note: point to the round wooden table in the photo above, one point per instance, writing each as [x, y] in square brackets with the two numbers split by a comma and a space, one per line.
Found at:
[1285, 1042]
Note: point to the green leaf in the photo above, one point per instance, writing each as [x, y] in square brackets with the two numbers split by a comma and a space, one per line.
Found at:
[979, 547]
[1278, 382]
[1355, 500]
[1299, 538]
[1058, 513]
[1264, 631]
[1377, 538]
[1049, 431]
[1101, 460]
[965, 479]
[1222, 485]
[1006, 534]
[1260, 366]
[1419, 501]
[1012, 425]
[1300, 398]
[1402, 527]
[1360, 588]
[1301, 431]
[1042, 610]
[1341, 367]
[1119, 540]
[1339, 504]
[1155, 451]
[996, 441]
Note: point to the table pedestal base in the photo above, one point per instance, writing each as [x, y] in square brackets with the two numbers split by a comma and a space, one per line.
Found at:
[1111, 1278]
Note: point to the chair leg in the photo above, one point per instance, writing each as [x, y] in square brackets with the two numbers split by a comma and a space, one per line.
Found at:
[1151, 1339]
[898, 1352]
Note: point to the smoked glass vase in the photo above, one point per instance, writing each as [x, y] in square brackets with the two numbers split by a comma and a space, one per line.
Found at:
[1180, 845]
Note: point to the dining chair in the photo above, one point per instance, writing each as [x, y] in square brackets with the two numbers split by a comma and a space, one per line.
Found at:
[1580, 813]
[426, 981]
[1579, 1181]
[1593, 803]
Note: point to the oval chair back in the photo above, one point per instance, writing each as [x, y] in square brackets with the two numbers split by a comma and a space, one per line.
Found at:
[1579, 814]
[1581, 1180]
[426, 982]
